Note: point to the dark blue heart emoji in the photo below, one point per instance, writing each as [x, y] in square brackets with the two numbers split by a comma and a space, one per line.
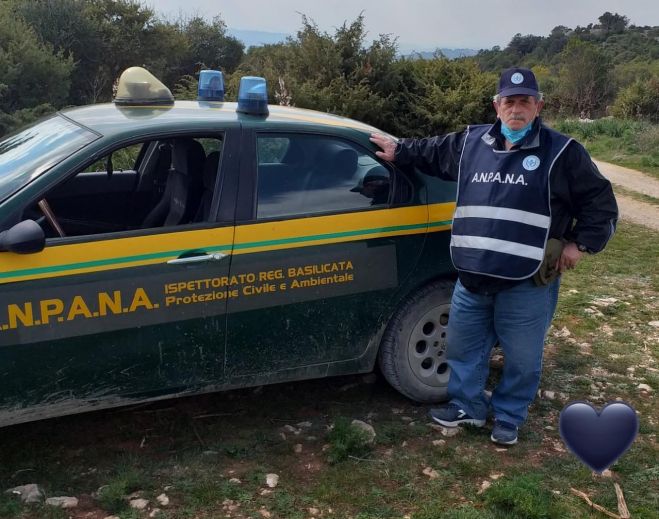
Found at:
[598, 439]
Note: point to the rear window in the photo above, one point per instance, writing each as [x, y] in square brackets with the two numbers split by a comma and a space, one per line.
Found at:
[30, 152]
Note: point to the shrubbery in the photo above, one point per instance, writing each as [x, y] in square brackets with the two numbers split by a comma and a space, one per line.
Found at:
[639, 100]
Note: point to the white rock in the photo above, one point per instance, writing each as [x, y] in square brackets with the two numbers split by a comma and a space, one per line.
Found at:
[291, 429]
[31, 493]
[265, 492]
[111, 517]
[496, 476]
[431, 473]
[396, 410]
[235, 481]
[314, 511]
[438, 443]
[406, 418]
[654, 324]
[272, 480]
[265, 513]
[163, 500]
[139, 504]
[297, 448]
[644, 387]
[563, 332]
[550, 395]
[304, 425]
[450, 431]
[367, 428]
[605, 301]
[62, 502]
[484, 486]
[154, 513]
[404, 444]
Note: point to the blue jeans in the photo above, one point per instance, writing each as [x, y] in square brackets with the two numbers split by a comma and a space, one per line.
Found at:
[518, 318]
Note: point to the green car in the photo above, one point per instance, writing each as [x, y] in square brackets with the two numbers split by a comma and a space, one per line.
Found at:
[153, 249]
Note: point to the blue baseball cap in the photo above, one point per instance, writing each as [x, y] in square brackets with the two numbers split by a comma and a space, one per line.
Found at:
[517, 81]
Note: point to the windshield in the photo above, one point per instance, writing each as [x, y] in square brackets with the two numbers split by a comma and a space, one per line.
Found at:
[32, 151]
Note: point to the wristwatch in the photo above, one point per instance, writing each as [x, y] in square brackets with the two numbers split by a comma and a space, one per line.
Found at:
[581, 247]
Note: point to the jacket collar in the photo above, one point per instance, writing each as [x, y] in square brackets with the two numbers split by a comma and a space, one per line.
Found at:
[495, 139]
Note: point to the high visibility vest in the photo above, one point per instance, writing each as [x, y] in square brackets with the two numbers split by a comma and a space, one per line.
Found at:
[503, 213]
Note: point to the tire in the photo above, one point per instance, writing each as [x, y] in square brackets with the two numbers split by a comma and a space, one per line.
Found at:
[412, 354]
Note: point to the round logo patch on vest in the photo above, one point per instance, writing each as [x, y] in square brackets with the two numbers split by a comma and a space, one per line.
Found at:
[517, 78]
[531, 163]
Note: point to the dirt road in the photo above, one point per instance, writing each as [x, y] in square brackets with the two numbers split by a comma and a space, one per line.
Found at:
[636, 211]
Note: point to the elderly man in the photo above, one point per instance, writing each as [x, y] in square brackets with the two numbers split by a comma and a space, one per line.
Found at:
[530, 204]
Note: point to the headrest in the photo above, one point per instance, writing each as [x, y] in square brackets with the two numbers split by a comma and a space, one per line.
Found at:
[339, 159]
[187, 156]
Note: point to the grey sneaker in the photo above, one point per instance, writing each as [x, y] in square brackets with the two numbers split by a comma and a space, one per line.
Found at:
[451, 415]
[504, 433]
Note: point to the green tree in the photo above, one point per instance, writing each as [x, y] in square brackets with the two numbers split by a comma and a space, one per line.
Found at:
[209, 45]
[444, 96]
[613, 23]
[584, 86]
[31, 74]
[65, 25]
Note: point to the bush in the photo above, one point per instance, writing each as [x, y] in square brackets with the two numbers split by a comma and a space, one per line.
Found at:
[347, 440]
[639, 100]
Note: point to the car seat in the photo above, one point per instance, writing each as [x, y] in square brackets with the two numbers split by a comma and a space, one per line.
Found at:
[184, 183]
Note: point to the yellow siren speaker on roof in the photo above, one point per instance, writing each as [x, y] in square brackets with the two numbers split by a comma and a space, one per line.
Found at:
[137, 86]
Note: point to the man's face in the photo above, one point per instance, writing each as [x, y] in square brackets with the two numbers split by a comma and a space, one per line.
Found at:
[518, 111]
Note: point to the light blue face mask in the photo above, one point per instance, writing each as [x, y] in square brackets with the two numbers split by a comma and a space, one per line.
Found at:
[515, 136]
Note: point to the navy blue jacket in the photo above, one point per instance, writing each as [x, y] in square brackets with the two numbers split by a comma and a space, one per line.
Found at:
[583, 207]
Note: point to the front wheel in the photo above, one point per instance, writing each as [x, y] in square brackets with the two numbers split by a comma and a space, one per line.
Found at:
[413, 351]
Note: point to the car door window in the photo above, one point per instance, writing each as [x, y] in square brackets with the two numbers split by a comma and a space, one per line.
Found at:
[160, 183]
[311, 174]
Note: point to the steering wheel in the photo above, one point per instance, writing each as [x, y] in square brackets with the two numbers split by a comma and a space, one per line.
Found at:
[50, 217]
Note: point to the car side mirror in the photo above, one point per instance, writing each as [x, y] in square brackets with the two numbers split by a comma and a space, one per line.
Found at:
[25, 237]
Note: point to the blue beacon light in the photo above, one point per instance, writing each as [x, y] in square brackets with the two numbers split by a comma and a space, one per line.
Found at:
[211, 86]
[253, 96]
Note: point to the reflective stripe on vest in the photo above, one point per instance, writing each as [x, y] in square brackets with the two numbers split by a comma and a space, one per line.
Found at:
[503, 213]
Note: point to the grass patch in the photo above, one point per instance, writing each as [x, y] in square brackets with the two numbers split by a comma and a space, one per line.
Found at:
[128, 479]
[636, 195]
[346, 441]
[632, 144]
[525, 497]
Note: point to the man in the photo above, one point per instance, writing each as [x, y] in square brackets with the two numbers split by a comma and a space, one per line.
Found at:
[529, 201]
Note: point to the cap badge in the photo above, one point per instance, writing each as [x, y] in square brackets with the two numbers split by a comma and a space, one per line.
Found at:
[517, 78]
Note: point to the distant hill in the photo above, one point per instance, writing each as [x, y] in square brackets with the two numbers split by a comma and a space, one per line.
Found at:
[449, 53]
[258, 38]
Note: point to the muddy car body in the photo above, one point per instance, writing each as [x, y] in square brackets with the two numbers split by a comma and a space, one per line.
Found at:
[190, 247]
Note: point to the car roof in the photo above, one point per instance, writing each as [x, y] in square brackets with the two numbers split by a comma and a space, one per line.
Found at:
[108, 119]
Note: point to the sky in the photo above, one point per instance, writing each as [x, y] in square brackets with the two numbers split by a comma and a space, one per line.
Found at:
[418, 24]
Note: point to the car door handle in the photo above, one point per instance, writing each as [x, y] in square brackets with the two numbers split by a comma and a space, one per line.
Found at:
[216, 256]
